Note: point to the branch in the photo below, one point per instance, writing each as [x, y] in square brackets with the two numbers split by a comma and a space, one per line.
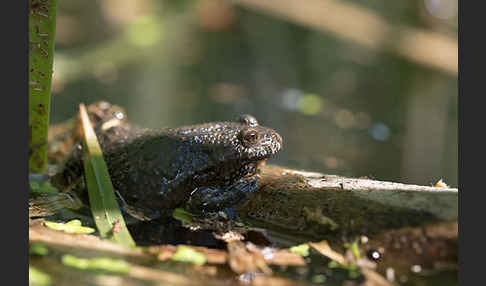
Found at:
[361, 26]
[315, 203]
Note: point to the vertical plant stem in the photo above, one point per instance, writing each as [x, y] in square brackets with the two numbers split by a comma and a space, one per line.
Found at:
[42, 29]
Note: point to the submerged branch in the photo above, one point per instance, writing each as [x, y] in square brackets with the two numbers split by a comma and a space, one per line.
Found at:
[364, 27]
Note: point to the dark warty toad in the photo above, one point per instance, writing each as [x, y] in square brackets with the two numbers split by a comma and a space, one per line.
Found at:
[211, 165]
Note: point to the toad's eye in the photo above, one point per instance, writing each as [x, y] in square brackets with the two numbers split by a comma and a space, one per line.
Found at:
[249, 137]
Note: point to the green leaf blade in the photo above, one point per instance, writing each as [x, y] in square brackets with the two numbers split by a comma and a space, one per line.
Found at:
[104, 207]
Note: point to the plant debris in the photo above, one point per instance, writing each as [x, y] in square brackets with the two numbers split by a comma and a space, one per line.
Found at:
[37, 277]
[301, 249]
[38, 248]
[72, 226]
[99, 263]
[187, 254]
[242, 259]
[441, 184]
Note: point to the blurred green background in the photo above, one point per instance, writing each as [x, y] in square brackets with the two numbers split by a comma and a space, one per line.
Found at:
[355, 88]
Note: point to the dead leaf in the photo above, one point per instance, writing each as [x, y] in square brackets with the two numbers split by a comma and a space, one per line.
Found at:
[242, 260]
[441, 184]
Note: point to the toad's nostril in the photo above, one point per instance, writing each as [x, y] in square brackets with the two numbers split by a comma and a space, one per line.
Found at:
[278, 138]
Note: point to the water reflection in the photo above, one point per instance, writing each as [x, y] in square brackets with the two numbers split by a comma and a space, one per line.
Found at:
[338, 97]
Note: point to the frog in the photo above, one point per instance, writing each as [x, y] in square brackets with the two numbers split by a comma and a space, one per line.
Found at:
[205, 167]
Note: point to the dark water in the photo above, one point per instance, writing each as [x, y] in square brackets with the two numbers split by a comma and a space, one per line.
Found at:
[340, 107]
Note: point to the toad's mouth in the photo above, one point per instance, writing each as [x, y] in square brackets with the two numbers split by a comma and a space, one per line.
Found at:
[261, 163]
[258, 164]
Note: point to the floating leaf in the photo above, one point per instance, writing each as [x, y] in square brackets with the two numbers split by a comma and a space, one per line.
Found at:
[73, 226]
[99, 263]
[319, 279]
[74, 222]
[187, 254]
[182, 215]
[353, 270]
[354, 248]
[302, 249]
[38, 248]
[37, 277]
[104, 206]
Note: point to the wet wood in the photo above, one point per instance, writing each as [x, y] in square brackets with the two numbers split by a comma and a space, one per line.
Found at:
[315, 203]
[79, 243]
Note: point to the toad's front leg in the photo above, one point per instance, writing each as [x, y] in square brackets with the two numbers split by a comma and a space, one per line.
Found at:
[210, 199]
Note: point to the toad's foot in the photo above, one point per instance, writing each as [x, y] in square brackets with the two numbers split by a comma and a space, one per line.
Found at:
[136, 212]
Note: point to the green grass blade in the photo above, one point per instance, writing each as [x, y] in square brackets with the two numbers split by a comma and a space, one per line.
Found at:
[42, 29]
[104, 207]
